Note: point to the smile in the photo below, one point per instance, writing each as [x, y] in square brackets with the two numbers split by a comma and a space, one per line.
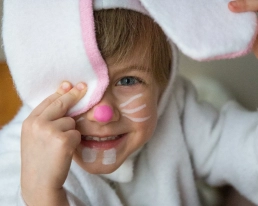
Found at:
[99, 139]
[105, 142]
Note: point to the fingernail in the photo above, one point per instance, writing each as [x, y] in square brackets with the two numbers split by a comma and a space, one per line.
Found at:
[65, 85]
[234, 3]
[80, 86]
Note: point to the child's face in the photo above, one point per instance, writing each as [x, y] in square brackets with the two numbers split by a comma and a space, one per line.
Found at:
[122, 122]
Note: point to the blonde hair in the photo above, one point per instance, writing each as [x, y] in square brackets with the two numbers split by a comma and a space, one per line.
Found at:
[121, 32]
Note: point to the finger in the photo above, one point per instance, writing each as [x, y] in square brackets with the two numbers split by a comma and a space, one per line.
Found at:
[74, 137]
[243, 5]
[59, 107]
[64, 88]
[65, 124]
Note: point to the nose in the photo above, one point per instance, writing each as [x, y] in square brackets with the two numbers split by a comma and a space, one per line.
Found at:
[103, 113]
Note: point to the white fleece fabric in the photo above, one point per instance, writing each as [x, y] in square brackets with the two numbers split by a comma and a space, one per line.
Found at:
[192, 140]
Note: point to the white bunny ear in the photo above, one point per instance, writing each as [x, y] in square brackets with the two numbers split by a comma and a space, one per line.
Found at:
[204, 29]
[47, 42]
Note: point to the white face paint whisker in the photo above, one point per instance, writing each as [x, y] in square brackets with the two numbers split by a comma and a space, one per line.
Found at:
[134, 110]
[136, 119]
[130, 100]
[131, 111]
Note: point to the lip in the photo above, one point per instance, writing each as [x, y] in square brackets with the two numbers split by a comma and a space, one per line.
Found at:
[105, 145]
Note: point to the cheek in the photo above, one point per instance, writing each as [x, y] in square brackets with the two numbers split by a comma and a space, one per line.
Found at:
[150, 124]
[145, 119]
[145, 131]
[148, 127]
[139, 107]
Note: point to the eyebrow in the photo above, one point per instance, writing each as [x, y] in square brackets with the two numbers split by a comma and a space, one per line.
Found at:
[135, 67]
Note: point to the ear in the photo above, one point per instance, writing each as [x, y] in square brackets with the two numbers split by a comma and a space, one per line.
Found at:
[205, 30]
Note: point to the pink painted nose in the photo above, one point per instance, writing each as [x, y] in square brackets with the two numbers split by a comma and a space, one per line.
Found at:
[103, 113]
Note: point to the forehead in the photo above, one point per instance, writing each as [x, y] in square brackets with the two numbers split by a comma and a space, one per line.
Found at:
[135, 61]
[120, 32]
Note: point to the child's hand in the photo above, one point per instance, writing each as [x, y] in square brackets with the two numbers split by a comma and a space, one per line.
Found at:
[49, 140]
[244, 6]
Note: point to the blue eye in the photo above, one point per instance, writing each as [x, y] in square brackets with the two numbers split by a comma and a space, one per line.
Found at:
[128, 81]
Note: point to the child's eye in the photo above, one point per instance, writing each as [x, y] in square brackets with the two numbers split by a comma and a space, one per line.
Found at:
[128, 81]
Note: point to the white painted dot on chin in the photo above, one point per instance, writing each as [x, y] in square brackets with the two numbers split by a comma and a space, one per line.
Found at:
[109, 157]
[89, 154]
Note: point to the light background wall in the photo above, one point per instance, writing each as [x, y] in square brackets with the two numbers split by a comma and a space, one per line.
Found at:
[1, 43]
[239, 75]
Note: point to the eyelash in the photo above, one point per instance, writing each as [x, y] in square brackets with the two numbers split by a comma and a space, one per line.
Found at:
[139, 81]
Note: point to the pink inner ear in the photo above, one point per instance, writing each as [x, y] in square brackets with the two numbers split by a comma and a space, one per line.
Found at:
[97, 62]
[103, 113]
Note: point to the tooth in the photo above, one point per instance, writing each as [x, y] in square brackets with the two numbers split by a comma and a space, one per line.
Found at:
[96, 138]
[104, 139]
[89, 138]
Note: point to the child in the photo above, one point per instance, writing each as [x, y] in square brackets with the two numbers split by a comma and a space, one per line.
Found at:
[140, 144]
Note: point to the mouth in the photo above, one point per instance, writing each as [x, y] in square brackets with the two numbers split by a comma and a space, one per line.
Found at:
[100, 139]
[106, 142]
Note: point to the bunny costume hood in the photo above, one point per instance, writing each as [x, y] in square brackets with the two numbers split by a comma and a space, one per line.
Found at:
[47, 42]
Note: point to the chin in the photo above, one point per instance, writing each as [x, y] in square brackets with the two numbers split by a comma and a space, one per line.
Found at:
[103, 169]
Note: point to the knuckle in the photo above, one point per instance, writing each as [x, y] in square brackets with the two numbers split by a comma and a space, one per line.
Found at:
[26, 123]
[67, 141]
[63, 140]
[73, 94]
[38, 124]
[60, 104]
[32, 124]
[43, 128]
[77, 135]
[70, 119]
[48, 101]
[50, 133]
[245, 5]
